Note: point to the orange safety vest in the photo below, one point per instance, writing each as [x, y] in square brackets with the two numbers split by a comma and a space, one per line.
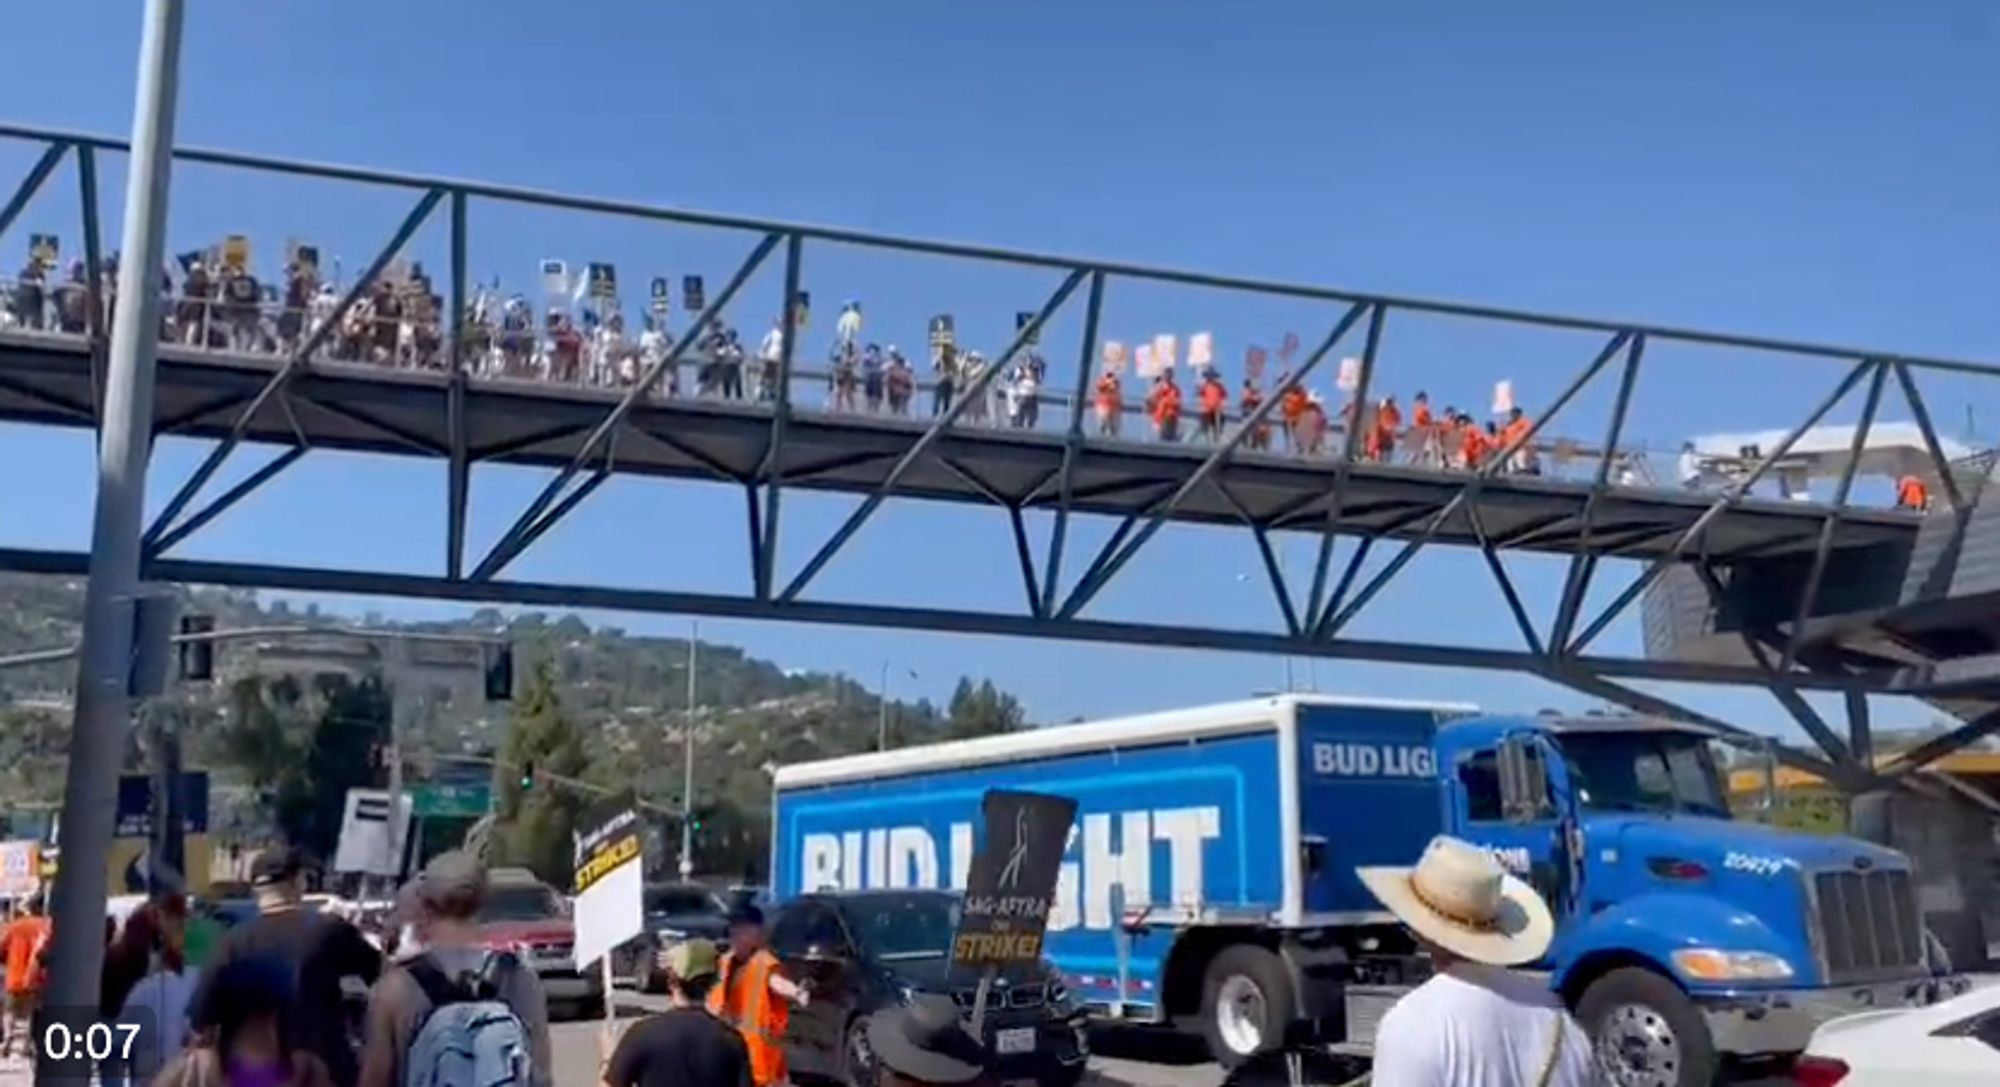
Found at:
[1911, 493]
[743, 999]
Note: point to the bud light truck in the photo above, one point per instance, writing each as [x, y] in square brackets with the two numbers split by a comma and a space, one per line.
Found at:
[1210, 878]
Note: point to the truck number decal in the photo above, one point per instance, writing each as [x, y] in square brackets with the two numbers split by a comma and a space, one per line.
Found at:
[1758, 866]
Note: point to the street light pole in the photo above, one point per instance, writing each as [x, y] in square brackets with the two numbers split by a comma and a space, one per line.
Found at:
[687, 758]
[103, 701]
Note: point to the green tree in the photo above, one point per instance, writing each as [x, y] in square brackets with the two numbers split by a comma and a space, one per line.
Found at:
[536, 824]
[302, 744]
[982, 710]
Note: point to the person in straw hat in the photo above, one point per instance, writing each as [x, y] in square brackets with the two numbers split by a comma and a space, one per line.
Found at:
[1474, 1023]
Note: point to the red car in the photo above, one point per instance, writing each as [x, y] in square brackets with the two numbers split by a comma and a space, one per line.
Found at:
[526, 916]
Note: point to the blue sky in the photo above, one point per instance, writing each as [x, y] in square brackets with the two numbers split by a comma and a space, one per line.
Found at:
[1820, 170]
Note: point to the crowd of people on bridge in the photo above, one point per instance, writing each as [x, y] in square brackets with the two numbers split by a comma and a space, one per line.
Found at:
[398, 321]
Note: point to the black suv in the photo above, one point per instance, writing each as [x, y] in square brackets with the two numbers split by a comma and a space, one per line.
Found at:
[862, 952]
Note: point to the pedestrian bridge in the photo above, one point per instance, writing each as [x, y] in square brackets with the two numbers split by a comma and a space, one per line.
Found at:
[46, 378]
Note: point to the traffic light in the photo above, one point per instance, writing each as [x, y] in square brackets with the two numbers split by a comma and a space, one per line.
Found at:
[527, 776]
[500, 672]
[197, 655]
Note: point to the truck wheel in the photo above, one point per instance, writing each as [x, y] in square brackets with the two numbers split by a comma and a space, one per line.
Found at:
[1246, 1004]
[857, 1060]
[1647, 1031]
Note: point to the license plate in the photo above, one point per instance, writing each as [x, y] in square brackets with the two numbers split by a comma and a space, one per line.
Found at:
[1014, 1040]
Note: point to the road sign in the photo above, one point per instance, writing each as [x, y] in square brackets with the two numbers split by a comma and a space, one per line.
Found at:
[451, 801]
[1013, 879]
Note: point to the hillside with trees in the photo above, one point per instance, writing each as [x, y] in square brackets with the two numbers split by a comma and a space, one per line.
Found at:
[594, 709]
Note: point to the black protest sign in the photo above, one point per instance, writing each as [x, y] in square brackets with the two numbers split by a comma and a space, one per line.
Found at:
[43, 248]
[942, 332]
[606, 839]
[662, 295]
[1012, 881]
[693, 294]
[1023, 321]
[603, 281]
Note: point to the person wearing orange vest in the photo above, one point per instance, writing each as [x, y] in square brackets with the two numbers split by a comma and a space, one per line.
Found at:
[1423, 429]
[753, 997]
[1388, 423]
[1516, 430]
[1165, 404]
[1911, 494]
[1477, 443]
[1110, 404]
[1250, 400]
[1214, 398]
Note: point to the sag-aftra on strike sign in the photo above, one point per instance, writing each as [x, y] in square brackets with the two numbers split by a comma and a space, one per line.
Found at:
[1013, 879]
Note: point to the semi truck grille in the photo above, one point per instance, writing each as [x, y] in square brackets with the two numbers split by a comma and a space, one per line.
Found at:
[1868, 924]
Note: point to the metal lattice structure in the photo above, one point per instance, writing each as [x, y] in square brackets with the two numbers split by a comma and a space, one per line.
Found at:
[301, 403]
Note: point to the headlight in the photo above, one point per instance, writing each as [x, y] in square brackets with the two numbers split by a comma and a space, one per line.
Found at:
[1709, 964]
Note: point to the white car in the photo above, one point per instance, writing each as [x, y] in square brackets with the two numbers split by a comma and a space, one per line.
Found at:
[1948, 1044]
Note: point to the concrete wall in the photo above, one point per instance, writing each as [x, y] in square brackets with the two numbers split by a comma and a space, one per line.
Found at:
[1957, 860]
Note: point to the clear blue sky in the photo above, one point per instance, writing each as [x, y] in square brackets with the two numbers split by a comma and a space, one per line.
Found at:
[1819, 170]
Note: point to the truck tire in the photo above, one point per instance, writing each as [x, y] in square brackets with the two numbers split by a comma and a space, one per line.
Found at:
[1646, 1029]
[1246, 1004]
[857, 1060]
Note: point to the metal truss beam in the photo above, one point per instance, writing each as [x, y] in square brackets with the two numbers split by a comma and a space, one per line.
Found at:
[715, 466]
[781, 416]
[635, 210]
[951, 621]
[1072, 442]
[530, 524]
[50, 400]
[930, 436]
[1922, 414]
[1469, 492]
[243, 489]
[1272, 569]
[283, 377]
[93, 270]
[521, 443]
[170, 423]
[1809, 595]
[1860, 730]
[1350, 448]
[1583, 563]
[1721, 505]
[1025, 554]
[1931, 751]
[32, 184]
[458, 472]
[1089, 586]
[422, 443]
[1643, 702]
[1507, 590]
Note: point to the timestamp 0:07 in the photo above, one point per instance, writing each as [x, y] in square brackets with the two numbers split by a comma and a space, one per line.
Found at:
[97, 1041]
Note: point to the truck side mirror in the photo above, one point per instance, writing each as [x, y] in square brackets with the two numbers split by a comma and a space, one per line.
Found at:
[1524, 789]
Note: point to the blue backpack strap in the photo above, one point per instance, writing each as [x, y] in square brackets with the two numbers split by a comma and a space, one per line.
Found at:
[439, 989]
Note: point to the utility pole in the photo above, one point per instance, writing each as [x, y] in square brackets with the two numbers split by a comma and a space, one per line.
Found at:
[103, 700]
[882, 710]
[687, 758]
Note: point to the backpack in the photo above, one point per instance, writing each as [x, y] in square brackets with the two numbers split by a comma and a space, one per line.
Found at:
[470, 1038]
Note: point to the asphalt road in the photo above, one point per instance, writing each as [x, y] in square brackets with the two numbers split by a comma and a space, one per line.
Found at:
[1169, 1060]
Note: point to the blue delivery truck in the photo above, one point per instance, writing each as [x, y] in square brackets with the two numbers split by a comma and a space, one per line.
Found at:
[1210, 884]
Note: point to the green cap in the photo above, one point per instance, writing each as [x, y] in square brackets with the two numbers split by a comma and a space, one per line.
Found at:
[690, 959]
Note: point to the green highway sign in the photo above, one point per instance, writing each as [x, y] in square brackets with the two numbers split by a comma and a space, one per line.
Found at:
[450, 801]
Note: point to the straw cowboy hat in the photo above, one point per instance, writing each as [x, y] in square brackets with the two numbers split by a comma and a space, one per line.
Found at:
[1459, 898]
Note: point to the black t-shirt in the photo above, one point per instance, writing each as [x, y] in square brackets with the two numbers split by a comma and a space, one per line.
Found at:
[321, 951]
[685, 1047]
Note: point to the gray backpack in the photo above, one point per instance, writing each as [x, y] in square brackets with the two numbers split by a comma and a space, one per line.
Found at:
[471, 1037]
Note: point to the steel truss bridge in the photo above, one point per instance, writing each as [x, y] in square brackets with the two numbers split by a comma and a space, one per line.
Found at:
[300, 402]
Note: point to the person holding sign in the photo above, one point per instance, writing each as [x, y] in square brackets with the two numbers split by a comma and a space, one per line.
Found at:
[685, 1046]
[754, 997]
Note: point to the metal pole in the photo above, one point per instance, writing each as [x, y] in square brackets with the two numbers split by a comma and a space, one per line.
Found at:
[402, 691]
[687, 759]
[103, 703]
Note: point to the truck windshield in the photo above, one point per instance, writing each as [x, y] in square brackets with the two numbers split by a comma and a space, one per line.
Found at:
[903, 926]
[1645, 771]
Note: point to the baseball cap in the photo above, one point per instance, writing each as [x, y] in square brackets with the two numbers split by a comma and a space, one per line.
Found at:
[276, 865]
[452, 880]
[690, 959]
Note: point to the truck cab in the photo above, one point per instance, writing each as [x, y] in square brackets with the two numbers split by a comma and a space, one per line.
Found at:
[1682, 935]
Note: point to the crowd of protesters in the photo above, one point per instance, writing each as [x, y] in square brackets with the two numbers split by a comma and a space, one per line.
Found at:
[399, 322]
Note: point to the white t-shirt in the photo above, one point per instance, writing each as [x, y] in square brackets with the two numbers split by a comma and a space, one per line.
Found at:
[1476, 1026]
